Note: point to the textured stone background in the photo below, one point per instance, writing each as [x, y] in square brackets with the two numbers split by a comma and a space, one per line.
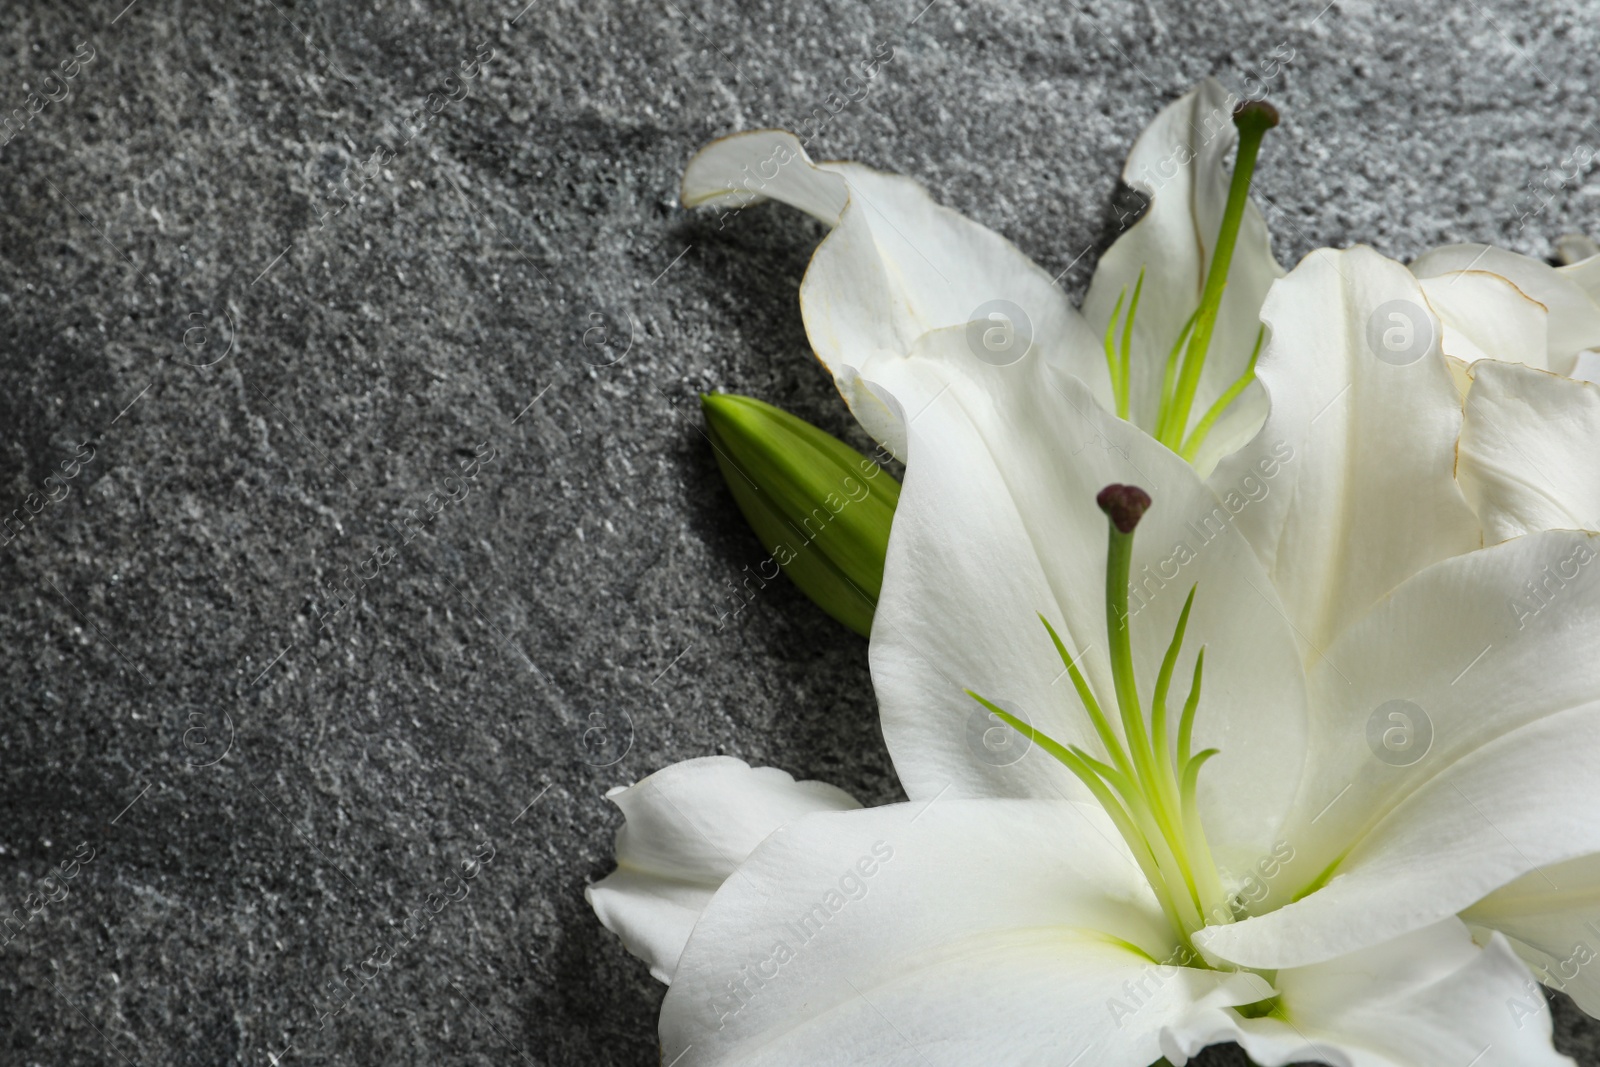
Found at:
[265, 795]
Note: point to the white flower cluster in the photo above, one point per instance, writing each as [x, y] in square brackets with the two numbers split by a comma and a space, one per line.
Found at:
[1351, 510]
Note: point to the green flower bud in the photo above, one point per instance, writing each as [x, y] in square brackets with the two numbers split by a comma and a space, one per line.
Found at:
[821, 509]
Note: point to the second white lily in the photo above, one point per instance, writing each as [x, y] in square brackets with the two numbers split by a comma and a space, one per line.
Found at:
[1303, 910]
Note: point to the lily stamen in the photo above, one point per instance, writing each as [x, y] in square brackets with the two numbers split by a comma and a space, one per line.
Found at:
[1149, 785]
[1253, 118]
[1119, 363]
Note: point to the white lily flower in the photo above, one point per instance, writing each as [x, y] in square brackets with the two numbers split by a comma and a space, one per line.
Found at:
[1160, 341]
[1300, 896]
[1351, 530]
[962, 926]
[898, 267]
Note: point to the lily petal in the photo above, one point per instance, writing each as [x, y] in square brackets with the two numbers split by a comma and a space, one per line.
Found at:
[1369, 498]
[1585, 271]
[1574, 309]
[1530, 451]
[1180, 163]
[1444, 740]
[746, 168]
[688, 826]
[896, 266]
[1574, 248]
[1549, 917]
[997, 522]
[1431, 996]
[953, 932]
[1484, 316]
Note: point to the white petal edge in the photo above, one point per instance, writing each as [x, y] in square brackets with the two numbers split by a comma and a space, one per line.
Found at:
[1552, 919]
[1429, 997]
[896, 266]
[1572, 294]
[1484, 316]
[1371, 497]
[1467, 831]
[687, 828]
[1530, 451]
[953, 932]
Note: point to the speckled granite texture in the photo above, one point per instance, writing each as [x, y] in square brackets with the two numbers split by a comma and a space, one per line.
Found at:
[285, 271]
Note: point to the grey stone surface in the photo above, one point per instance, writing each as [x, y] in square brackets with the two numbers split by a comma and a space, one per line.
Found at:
[268, 787]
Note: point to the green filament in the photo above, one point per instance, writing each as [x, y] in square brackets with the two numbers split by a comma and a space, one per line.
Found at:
[1102, 793]
[1181, 374]
[1108, 737]
[1169, 376]
[1113, 364]
[1192, 447]
[1126, 375]
[1253, 120]
[1119, 363]
[1147, 784]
